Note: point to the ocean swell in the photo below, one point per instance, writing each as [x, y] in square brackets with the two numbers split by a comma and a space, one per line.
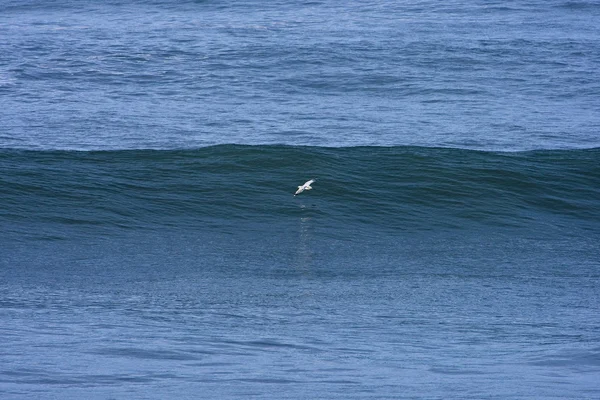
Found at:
[247, 187]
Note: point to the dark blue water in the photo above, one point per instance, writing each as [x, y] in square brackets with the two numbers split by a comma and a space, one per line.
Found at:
[151, 245]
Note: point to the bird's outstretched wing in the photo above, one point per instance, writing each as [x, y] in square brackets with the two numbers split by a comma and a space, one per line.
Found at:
[304, 187]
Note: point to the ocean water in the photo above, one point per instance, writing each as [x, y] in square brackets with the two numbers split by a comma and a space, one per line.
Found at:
[151, 246]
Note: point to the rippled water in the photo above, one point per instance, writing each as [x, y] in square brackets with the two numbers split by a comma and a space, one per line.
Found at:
[486, 75]
[151, 245]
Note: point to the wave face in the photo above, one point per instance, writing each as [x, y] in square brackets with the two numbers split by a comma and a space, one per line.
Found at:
[233, 188]
[395, 254]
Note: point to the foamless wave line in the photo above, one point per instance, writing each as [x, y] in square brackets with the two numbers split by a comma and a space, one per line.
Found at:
[283, 145]
[233, 187]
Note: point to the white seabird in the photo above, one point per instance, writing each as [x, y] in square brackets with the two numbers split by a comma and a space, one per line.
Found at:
[304, 187]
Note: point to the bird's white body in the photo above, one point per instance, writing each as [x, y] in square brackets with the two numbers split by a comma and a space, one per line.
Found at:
[304, 187]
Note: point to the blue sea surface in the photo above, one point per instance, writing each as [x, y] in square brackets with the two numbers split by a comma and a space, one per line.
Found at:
[151, 246]
[513, 75]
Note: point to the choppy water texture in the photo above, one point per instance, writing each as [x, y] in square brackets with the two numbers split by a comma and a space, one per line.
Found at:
[512, 75]
[151, 245]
